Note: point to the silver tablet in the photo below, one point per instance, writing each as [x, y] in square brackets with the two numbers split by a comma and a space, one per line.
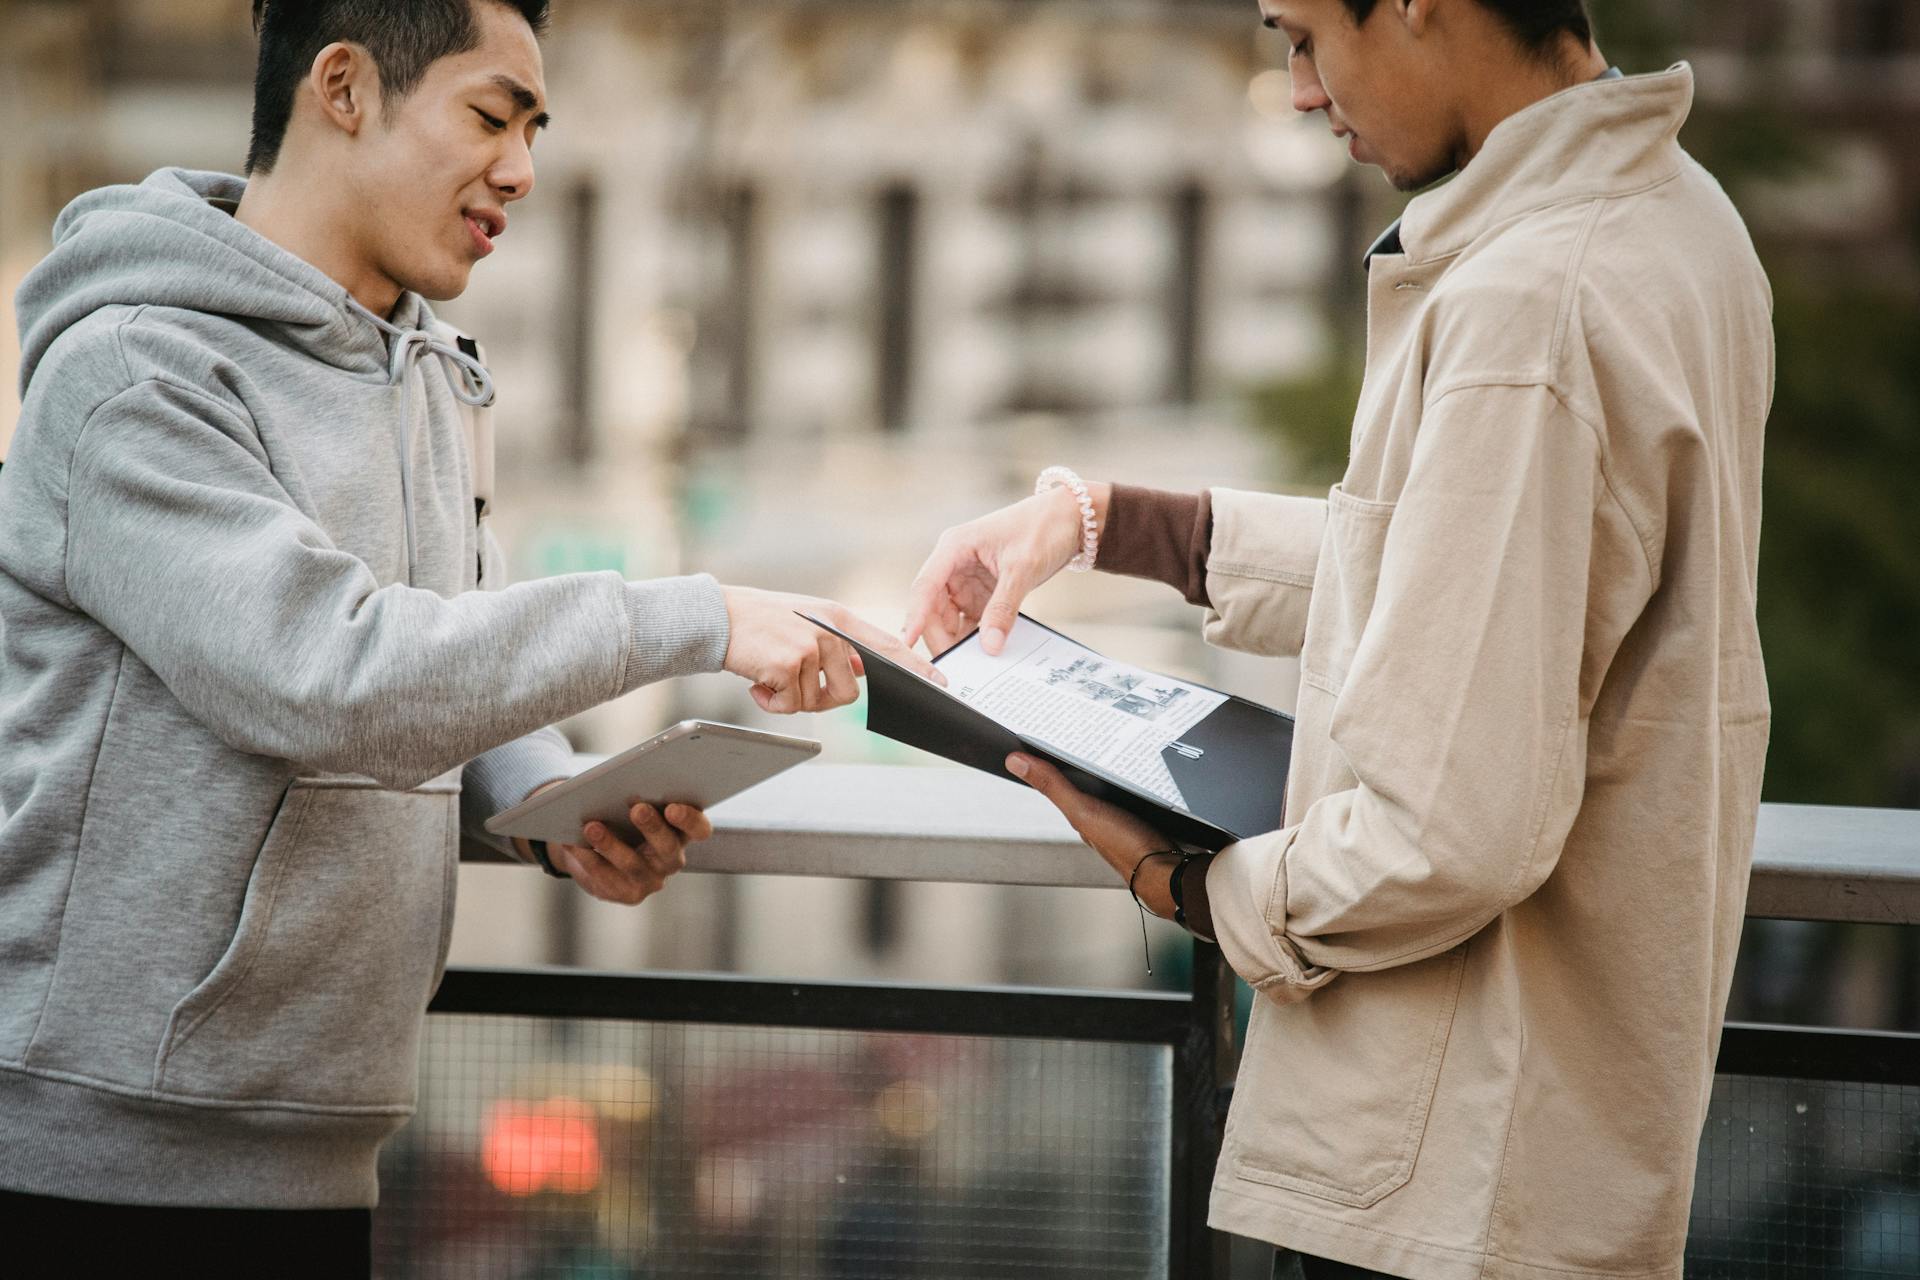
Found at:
[696, 762]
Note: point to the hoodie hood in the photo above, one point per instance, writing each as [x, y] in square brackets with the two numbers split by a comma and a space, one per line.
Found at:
[172, 241]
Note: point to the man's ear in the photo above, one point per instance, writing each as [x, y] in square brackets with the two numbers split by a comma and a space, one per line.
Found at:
[345, 86]
[1416, 14]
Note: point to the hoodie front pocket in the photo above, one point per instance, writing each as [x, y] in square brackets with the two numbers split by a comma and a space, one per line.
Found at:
[319, 996]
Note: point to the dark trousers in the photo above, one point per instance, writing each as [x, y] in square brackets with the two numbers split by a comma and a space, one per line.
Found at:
[67, 1238]
[1288, 1265]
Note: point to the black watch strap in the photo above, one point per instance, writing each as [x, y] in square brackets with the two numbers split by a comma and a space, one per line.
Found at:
[1177, 885]
[539, 848]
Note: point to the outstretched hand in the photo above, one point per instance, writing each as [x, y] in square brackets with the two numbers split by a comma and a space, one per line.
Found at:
[794, 665]
[981, 571]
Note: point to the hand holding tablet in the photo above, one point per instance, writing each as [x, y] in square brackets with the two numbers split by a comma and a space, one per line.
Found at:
[696, 762]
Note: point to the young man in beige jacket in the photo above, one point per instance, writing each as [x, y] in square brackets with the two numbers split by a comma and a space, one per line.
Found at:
[1492, 944]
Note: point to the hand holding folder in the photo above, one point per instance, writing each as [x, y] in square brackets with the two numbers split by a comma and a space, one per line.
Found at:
[1201, 766]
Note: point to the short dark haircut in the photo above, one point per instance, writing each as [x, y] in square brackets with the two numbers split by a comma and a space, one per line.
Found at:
[1536, 24]
[403, 39]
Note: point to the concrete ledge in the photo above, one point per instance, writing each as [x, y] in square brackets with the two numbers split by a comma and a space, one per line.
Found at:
[894, 822]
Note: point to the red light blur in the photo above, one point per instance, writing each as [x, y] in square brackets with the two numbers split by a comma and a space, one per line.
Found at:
[533, 1147]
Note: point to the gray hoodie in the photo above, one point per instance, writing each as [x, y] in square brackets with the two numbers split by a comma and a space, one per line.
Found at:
[241, 681]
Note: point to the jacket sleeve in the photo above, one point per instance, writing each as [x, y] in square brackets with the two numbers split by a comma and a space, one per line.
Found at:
[1260, 569]
[183, 543]
[1460, 717]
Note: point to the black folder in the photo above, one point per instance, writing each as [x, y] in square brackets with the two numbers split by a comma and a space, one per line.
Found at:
[1231, 767]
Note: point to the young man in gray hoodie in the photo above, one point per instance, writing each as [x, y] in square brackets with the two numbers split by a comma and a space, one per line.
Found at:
[256, 655]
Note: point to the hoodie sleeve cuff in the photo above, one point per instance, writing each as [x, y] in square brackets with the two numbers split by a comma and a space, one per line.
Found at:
[1247, 895]
[506, 775]
[676, 627]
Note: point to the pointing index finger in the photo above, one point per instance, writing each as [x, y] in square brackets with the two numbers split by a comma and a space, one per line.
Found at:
[854, 627]
[892, 646]
[924, 595]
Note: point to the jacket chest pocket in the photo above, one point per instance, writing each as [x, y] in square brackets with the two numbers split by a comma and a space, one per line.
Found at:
[1344, 584]
[319, 996]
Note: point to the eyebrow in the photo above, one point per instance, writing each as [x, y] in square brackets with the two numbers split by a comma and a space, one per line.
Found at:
[523, 98]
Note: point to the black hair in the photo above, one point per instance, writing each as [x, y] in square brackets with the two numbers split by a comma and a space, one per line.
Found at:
[403, 40]
[1536, 24]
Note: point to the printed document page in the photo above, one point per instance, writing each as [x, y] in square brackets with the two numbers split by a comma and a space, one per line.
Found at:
[1106, 713]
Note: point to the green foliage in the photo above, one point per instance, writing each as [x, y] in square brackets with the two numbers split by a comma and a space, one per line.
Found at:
[1314, 416]
[1840, 544]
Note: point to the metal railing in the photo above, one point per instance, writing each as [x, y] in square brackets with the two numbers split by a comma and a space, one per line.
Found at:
[891, 822]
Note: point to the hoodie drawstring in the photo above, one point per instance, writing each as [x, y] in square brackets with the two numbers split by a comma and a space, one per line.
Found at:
[474, 385]
[467, 377]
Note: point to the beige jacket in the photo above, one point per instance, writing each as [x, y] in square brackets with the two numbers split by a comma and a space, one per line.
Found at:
[1493, 948]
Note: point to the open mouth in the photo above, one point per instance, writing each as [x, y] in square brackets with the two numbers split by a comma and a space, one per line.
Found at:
[483, 225]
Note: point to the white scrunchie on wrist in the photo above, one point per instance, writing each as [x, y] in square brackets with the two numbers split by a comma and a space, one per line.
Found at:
[1062, 478]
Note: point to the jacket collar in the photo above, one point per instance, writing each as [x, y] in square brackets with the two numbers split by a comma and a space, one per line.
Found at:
[1605, 137]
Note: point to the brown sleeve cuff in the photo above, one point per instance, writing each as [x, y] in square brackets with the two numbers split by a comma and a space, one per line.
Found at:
[1159, 534]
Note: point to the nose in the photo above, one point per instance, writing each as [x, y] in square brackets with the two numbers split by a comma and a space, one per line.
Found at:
[1308, 95]
[512, 174]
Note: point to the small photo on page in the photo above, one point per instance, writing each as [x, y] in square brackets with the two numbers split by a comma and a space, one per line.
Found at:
[1057, 692]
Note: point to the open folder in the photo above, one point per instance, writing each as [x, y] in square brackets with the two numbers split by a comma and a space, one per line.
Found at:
[1202, 767]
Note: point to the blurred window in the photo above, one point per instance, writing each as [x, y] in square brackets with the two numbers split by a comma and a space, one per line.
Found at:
[899, 217]
[582, 248]
[1876, 28]
[1185, 304]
